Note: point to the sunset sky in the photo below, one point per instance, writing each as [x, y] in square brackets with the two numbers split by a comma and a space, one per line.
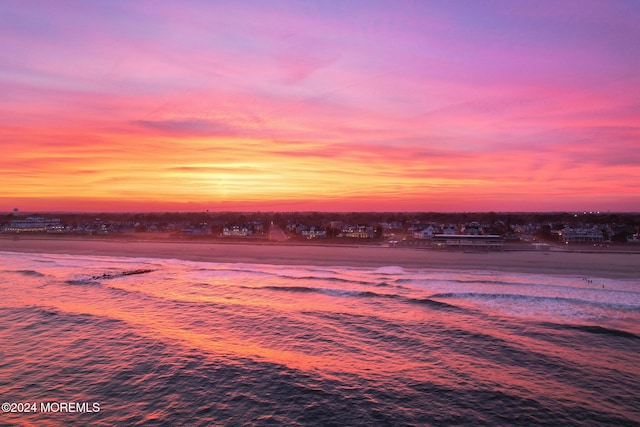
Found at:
[472, 105]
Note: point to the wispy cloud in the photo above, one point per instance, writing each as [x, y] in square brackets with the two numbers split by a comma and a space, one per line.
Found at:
[186, 127]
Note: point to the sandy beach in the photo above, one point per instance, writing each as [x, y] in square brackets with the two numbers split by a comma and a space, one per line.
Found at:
[618, 265]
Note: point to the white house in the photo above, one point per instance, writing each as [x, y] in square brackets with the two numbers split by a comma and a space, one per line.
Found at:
[581, 235]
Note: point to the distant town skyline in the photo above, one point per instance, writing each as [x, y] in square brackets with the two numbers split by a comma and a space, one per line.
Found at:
[408, 106]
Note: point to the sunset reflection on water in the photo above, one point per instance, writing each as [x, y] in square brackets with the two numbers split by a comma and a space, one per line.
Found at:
[242, 344]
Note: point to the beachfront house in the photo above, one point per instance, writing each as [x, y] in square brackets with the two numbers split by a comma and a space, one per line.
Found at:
[426, 233]
[359, 231]
[314, 232]
[244, 230]
[468, 242]
[197, 229]
[449, 229]
[472, 229]
[34, 224]
[237, 231]
[581, 235]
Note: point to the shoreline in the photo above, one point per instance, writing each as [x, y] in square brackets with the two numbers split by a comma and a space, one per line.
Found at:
[619, 265]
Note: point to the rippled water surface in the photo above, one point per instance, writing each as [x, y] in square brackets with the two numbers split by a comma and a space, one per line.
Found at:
[169, 342]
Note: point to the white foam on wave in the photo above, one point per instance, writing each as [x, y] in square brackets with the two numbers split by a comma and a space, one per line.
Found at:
[390, 269]
[555, 309]
[531, 295]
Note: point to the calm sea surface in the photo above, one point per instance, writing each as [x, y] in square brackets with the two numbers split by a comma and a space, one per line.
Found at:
[172, 342]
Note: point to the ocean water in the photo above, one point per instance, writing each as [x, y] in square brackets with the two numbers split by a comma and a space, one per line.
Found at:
[88, 340]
